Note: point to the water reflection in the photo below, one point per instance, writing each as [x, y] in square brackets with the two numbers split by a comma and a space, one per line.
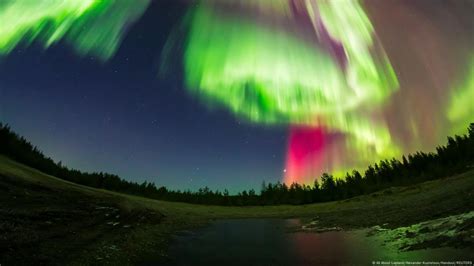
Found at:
[275, 242]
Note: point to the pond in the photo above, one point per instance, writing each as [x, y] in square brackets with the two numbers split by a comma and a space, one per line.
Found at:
[277, 242]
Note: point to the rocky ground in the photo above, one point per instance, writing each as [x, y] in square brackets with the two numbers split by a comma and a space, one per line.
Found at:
[453, 231]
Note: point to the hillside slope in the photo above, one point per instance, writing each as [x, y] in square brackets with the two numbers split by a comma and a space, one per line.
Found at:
[47, 220]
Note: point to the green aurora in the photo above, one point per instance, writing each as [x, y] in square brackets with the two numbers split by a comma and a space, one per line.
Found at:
[92, 26]
[264, 66]
[270, 76]
[461, 107]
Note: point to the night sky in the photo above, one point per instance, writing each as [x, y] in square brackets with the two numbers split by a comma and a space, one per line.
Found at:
[121, 115]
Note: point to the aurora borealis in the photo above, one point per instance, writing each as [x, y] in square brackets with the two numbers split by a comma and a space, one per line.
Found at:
[354, 82]
[87, 24]
[318, 69]
[318, 66]
[461, 109]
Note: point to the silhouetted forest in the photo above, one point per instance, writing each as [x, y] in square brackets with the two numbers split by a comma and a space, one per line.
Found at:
[455, 157]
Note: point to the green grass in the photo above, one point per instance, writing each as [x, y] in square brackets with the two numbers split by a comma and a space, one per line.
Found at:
[52, 221]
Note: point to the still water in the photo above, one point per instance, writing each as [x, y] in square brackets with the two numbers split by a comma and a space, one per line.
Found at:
[276, 242]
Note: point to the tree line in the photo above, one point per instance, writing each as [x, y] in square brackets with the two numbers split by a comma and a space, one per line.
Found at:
[455, 157]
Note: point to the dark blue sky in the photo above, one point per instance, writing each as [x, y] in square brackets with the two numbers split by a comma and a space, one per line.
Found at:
[121, 117]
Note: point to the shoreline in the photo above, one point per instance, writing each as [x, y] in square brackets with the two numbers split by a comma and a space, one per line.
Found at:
[66, 223]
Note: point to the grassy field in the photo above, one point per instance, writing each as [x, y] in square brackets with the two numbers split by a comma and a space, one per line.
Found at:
[46, 220]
